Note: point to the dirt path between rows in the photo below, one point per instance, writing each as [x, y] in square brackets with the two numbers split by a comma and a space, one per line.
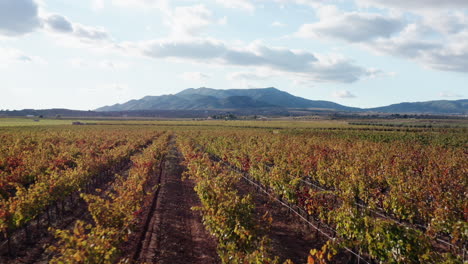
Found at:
[175, 233]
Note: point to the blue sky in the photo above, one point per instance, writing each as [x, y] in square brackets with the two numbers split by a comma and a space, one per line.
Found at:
[83, 54]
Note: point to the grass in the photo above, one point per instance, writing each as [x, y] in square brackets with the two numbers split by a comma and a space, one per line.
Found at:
[396, 124]
[8, 122]
[11, 122]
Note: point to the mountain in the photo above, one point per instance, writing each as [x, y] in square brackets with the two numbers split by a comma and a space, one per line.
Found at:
[439, 107]
[271, 95]
[207, 98]
[270, 98]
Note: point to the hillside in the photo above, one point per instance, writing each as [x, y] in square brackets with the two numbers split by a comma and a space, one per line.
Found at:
[271, 99]
[439, 107]
[207, 98]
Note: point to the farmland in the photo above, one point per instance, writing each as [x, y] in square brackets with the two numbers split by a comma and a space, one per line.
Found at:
[186, 191]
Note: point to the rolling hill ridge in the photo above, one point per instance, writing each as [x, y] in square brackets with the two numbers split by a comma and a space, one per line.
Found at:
[272, 98]
[207, 98]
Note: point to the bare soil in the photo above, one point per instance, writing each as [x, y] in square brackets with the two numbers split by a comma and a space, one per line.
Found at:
[175, 233]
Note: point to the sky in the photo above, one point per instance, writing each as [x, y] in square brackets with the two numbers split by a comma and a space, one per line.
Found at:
[84, 54]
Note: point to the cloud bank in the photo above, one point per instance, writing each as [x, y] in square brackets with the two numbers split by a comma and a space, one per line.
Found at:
[282, 60]
[18, 17]
[351, 27]
[436, 40]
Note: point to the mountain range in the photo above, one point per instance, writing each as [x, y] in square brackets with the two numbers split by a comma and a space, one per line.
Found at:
[270, 98]
[207, 98]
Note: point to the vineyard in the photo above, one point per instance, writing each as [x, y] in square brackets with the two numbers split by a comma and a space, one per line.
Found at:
[222, 192]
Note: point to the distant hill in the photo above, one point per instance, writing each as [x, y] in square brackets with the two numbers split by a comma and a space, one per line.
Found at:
[207, 98]
[270, 95]
[272, 99]
[430, 107]
[204, 102]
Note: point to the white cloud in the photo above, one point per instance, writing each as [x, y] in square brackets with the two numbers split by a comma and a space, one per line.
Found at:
[249, 79]
[208, 50]
[68, 32]
[304, 82]
[414, 4]
[105, 64]
[258, 75]
[416, 42]
[435, 39]
[195, 77]
[11, 56]
[445, 22]
[183, 21]
[343, 94]
[18, 17]
[312, 4]
[78, 63]
[110, 88]
[322, 68]
[448, 94]
[278, 24]
[188, 20]
[90, 33]
[113, 65]
[97, 4]
[139, 3]
[237, 4]
[373, 73]
[337, 68]
[350, 26]
[58, 23]
[223, 21]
